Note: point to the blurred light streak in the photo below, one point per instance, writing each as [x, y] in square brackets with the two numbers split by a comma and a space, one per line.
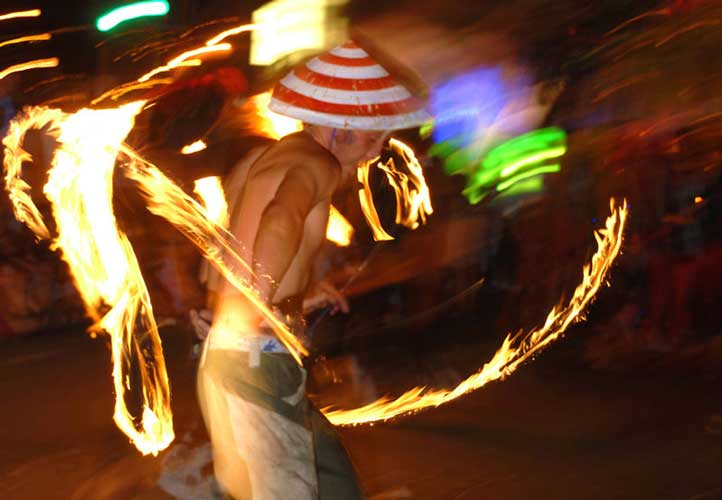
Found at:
[338, 230]
[515, 160]
[516, 348]
[19, 14]
[37, 64]
[685, 30]
[197, 146]
[467, 104]
[210, 191]
[185, 60]
[661, 12]
[550, 169]
[289, 26]
[272, 124]
[110, 20]
[30, 38]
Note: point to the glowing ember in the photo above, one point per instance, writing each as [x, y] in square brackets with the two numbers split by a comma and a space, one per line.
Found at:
[338, 230]
[23, 13]
[272, 124]
[199, 145]
[413, 198]
[37, 64]
[32, 38]
[99, 255]
[516, 349]
[210, 190]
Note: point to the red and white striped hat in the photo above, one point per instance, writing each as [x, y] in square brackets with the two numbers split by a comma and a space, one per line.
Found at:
[346, 88]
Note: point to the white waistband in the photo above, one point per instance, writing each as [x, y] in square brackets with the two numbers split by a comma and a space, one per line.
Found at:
[234, 341]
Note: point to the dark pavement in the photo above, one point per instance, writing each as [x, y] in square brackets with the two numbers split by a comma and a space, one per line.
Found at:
[554, 430]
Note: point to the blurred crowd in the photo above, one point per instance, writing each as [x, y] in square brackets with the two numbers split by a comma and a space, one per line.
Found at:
[640, 106]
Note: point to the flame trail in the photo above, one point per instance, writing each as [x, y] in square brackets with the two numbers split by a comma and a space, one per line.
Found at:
[516, 349]
[23, 13]
[413, 202]
[99, 255]
[169, 201]
[37, 64]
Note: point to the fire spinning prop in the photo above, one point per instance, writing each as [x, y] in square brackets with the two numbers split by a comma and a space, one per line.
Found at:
[106, 272]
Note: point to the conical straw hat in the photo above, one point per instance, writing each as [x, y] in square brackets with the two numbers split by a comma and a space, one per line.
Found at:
[347, 88]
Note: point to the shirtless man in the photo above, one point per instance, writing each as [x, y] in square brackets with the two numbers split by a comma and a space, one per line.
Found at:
[268, 442]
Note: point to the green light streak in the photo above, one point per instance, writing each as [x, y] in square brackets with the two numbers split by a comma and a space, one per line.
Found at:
[549, 169]
[536, 158]
[116, 16]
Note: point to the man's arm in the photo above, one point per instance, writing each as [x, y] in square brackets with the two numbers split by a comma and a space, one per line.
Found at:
[281, 227]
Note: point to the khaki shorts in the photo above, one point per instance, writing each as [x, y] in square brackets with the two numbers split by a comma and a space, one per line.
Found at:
[269, 443]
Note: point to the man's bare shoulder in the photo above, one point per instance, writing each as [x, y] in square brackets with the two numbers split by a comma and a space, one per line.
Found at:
[301, 154]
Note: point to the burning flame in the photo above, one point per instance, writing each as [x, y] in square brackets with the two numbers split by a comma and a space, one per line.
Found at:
[102, 263]
[412, 202]
[169, 201]
[338, 230]
[23, 13]
[413, 198]
[516, 349]
[210, 190]
[99, 255]
[199, 145]
[37, 64]
[272, 124]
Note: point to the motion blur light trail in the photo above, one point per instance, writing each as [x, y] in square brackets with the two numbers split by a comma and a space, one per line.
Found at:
[516, 349]
[24, 39]
[413, 198]
[20, 14]
[99, 255]
[518, 159]
[132, 11]
[50, 62]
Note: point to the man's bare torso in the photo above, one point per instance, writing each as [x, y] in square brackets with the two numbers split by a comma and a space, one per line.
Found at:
[257, 179]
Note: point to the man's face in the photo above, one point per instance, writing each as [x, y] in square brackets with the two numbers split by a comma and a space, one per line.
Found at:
[357, 146]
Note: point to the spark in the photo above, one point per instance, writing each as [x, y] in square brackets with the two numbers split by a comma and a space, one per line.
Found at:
[516, 348]
[29, 38]
[23, 13]
[37, 64]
